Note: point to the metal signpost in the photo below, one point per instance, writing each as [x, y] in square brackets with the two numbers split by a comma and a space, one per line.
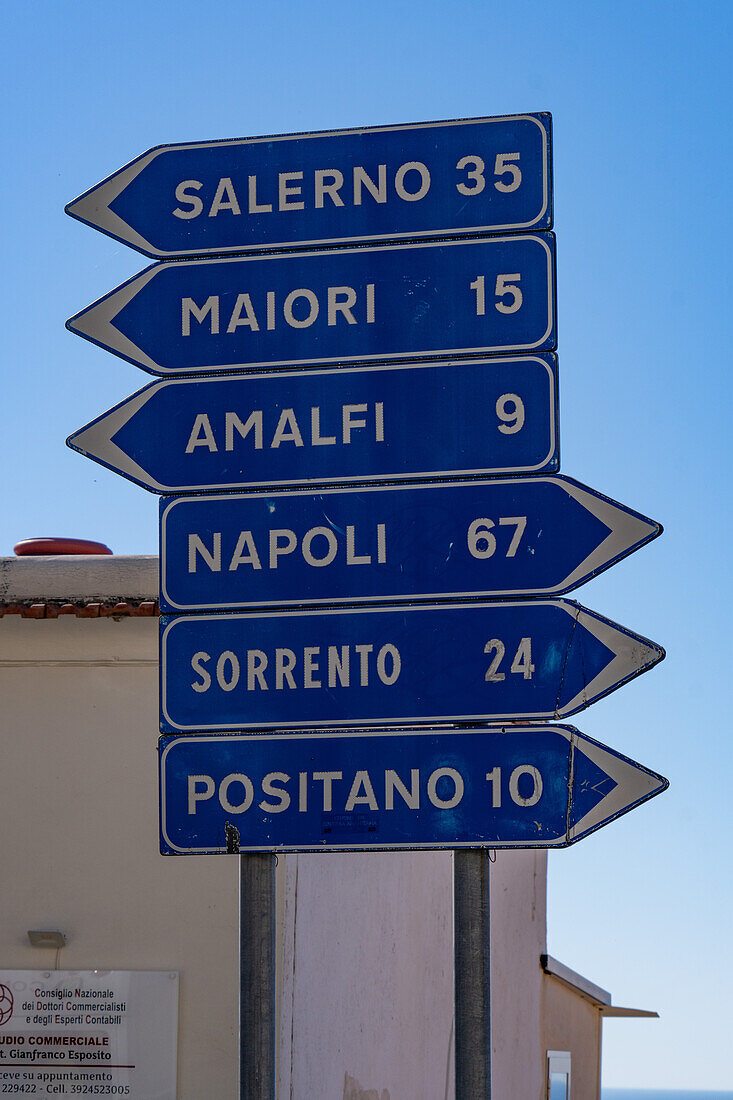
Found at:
[406, 301]
[514, 537]
[397, 422]
[359, 327]
[545, 786]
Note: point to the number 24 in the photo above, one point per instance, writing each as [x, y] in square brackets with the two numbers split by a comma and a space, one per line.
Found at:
[522, 662]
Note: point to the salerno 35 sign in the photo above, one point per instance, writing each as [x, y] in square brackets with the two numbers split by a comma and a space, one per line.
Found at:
[428, 179]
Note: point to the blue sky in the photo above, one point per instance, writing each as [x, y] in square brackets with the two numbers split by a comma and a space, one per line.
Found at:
[640, 95]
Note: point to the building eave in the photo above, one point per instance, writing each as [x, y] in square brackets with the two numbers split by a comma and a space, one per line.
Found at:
[86, 586]
[599, 997]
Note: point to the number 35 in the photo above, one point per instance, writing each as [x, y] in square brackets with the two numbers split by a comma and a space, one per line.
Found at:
[475, 169]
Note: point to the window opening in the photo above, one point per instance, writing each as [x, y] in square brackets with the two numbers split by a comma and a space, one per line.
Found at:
[558, 1075]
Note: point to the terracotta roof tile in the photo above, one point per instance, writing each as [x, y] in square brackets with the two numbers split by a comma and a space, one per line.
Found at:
[82, 609]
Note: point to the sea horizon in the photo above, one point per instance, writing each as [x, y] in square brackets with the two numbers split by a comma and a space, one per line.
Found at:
[664, 1094]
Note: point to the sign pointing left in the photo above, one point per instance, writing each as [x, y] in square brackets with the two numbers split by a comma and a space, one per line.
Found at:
[343, 424]
[427, 179]
[490, 295]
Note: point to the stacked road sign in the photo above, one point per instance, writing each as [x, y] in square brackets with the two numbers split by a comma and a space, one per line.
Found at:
[365, 534]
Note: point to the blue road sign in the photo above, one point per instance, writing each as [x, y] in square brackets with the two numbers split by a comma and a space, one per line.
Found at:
[521, 536]
[447, 662]
[542, 787]
[491, 295]
[474, 416]
[427, 179]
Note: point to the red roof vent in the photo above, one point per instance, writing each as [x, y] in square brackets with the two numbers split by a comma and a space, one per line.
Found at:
[36, 547]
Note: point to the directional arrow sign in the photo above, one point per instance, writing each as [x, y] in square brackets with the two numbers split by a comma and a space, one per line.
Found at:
[521, 536]
[474, 416]
[446, 662]
[394, 302]
[429, 179]
[542, 787]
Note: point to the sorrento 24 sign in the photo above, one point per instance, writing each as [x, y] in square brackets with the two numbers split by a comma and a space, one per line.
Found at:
[447, 662]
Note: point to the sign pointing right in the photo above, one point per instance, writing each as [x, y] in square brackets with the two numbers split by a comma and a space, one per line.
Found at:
[448, 662]
[537, 787]
[510, 537]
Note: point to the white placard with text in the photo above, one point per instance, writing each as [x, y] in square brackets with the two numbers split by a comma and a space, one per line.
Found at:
[88, 1033]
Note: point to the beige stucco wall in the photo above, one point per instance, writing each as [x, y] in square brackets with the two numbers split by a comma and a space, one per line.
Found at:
[370, 942]
[78, 805]
[368, 981]
[519, 934]
[572, 1022]
[365, 941]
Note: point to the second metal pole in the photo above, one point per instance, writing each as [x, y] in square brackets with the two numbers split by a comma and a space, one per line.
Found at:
[471, 928]
[257, 1010]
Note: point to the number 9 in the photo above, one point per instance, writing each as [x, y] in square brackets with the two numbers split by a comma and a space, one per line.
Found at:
[510, 409]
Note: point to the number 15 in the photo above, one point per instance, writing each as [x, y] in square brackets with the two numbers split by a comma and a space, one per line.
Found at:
[506, 285]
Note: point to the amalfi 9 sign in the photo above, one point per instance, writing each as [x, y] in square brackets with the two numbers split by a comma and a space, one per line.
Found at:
[396, 422]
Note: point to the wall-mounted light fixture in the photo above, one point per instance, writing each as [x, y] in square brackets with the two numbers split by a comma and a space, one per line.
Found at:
[47, 938]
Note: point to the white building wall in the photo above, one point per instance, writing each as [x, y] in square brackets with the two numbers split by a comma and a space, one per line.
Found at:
[518, 938]
[78, 816]
[365, 940]
[368, 994]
